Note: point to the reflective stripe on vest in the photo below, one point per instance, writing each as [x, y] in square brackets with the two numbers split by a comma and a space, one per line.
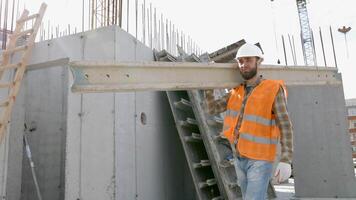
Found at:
[232, 113]
[257, 139]
[260, 120]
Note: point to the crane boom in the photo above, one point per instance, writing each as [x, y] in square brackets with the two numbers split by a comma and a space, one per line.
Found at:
[306, 33]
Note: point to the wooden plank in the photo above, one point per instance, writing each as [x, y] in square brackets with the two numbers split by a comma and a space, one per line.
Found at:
[28, 31]
[9, 66]
[16, 49]
[27, 18]
[5, 85]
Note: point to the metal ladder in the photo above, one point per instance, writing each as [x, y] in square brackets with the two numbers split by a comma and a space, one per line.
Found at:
[206, 129]
[13, 48]
[198, 161]
[219, 146]
[218, 149]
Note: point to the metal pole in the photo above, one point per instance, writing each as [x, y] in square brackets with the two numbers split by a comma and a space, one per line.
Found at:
[89, 15]
[167, 38]
[12, 15]
[114, 11]
[295, 52]
[144, 23]
[108, 18]
[0, 13]
[120, 13]
[291, 48]
[148, 28]
[159, 35]
[92, 14]
[284, 50]
[136, 12]
[4, 38]
[162, 32]
[322, 45]
[83, 16]
[128, 14]
[32, 165]
[155, 28]
[314, 52]
[332, 42]
[17, 10]
[151, 25]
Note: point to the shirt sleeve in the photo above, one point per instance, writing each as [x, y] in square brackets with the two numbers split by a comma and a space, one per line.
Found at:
[215, 106]
[285, 126]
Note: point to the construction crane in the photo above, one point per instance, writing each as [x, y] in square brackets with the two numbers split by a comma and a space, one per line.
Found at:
[306, 33]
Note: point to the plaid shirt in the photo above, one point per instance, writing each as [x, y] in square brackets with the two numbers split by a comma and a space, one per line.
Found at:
[279, 109]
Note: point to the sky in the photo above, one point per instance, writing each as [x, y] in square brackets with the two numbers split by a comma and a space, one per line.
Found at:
[214, 24]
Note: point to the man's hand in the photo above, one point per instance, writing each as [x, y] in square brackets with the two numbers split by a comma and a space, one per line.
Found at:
[282, 173]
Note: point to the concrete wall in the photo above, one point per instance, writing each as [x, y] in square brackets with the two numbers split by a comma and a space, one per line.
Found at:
[322, 155]
[45, 109]
[11, 148]
[110, 154]
[94, 146]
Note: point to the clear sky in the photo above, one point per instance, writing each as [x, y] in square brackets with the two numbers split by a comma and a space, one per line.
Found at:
[214, 24]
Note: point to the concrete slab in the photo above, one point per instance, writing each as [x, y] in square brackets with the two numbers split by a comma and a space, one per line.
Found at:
[322, 155]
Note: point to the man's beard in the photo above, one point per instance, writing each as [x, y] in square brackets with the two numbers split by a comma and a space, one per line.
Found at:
[250, 74]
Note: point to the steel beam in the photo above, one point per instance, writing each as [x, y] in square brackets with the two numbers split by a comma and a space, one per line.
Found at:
[91, 76]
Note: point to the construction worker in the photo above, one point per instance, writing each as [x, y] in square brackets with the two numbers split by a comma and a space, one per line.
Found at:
[256, 120]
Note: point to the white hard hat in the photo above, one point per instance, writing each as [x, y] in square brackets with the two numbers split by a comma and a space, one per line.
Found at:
[249, 50]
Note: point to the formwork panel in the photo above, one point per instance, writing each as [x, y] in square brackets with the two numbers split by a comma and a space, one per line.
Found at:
[97, 147]
[160, 158]
[64, 47]
[73, 147]
[14, 145]
[158, 167]
[322, 155]
[125, 145]
[90, 132]
[44, 119]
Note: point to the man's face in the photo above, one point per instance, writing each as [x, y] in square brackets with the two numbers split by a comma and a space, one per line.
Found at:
[248, 67]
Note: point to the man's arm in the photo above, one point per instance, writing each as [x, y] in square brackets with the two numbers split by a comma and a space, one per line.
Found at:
[213, 106]
[285, 126]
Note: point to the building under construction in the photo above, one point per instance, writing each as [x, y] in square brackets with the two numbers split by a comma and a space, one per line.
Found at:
[63, 142]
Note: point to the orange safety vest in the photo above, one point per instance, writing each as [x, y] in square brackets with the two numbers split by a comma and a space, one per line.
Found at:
[258, 134]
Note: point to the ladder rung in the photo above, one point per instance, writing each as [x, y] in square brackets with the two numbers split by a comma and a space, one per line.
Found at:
[218, 198]
[195, 137]
[189, 122]
[216, 121]
[10, 66]
[183, 105]
[192, 121]
[202, 163]
[22, 33]
[4, 103]
[19, 48]
[226, 163]
[219, 137]
[27, 18]
[191, 139]
[207, 183]
[5, 85]
[232, 185]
